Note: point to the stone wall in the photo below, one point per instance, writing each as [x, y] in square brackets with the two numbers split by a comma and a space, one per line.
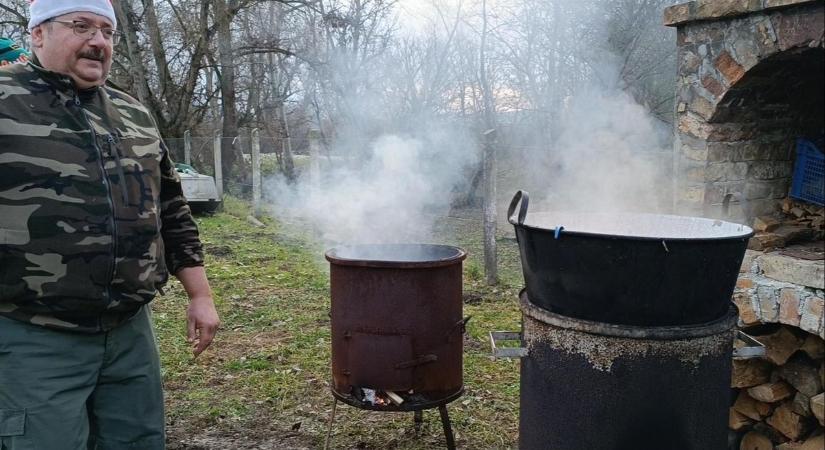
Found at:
[774, 288]
[750, 82]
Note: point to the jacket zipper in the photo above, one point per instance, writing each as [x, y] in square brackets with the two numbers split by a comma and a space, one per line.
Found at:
[113, 151]
[109, 198]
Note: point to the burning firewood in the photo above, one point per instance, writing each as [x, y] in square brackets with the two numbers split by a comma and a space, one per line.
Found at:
[394, 398]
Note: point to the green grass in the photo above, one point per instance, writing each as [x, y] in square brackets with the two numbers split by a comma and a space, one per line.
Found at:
[269, 367]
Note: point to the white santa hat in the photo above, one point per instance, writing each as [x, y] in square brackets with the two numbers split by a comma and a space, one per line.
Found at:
[43, 10]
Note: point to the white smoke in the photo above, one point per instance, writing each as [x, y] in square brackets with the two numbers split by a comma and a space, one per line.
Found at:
[393, 195]
[609, 157]
[603, 152]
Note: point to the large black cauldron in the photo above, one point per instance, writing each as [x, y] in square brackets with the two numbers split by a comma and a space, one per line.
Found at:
[630, 269]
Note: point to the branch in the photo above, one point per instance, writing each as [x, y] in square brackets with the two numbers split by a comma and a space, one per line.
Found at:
[263, 48]
[14, 12]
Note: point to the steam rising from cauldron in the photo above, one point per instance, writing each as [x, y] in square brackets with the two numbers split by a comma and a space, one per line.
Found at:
[607, 154]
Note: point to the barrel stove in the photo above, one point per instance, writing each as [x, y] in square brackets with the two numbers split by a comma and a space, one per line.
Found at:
[627, 331]
[591, 386]
[397, 327]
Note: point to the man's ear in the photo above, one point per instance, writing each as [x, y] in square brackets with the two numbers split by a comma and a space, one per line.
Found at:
[37, 36]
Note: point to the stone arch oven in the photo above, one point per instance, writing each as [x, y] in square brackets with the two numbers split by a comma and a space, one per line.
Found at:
[750, 81]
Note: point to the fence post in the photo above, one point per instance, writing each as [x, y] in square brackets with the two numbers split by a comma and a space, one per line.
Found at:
[490, 219]
[256, 170]
[216, 148]
[187, 147]
[314, 165]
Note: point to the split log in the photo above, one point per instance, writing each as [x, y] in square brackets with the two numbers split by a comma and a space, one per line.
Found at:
[801, 405]
[765, 223]
[737, 420]
[767, 430]
[818, 407]
[822, 371]
[800, 372]
[395, 398]
[771, 392]
[794, 233]
[765, 241]
[779, 346]
[813, 209]
[814, 347]
[750, 407]
[750, 372]
[787, 422]
[755, 441]
[814, 443]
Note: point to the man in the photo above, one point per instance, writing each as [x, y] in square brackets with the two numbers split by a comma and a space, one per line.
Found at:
[12, 53]
[92, 219]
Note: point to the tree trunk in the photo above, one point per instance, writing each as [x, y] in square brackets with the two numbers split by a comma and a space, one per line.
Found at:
[287, 160]
[136, 66]
[490, 260]
[231, 146]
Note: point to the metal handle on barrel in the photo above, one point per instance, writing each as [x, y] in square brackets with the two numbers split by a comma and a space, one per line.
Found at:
[506, 352]
[524, 197]
[755, 349]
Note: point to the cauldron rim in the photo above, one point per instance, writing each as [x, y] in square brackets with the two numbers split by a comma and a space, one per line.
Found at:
[429, 255]
[743, 232]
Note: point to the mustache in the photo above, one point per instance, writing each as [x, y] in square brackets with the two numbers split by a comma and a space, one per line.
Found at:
[93, 54]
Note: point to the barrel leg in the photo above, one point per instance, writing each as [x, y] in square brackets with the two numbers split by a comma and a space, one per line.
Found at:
[448, 430]
[418, 420]
[329, 426]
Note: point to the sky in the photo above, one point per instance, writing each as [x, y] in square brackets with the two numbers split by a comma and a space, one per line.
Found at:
[413, 14]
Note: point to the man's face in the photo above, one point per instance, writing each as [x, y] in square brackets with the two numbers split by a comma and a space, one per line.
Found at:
[86, 60]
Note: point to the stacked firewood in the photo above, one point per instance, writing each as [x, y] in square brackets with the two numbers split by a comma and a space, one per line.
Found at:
[795, 222]
[779, 398]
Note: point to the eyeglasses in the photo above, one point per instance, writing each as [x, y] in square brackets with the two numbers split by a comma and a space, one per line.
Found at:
[87, 30]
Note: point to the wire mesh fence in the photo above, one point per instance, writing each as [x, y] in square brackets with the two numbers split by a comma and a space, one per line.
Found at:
[200, 152]
[299, 156]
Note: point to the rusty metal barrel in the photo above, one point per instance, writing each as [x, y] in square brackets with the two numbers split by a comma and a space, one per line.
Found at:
[397, 322]
[594, 386]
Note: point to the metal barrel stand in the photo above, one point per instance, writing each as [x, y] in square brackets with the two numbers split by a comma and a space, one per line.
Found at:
[418, 416]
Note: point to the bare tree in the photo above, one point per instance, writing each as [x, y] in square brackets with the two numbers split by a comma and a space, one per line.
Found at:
[646, 51]
[13, 19]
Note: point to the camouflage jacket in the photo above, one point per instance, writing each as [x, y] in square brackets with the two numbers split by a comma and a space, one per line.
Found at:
[92, 217]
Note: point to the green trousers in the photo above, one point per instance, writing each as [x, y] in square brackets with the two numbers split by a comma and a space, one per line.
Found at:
[70, 391]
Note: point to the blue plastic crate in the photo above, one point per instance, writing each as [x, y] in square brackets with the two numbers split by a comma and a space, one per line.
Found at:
[809, 174]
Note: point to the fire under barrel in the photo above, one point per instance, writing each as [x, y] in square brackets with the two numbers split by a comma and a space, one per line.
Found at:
[397, 324]
[594, 386]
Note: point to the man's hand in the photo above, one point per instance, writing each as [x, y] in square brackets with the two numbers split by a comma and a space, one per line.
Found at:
[201, 323]
[201, 317]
